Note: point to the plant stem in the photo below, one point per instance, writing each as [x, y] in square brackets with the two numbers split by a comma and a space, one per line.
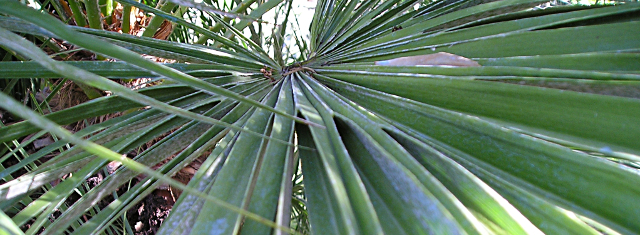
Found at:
[93, 14]
[155, 23]
[217, 27]
[78, 16]
[106, 8]
[126, 18]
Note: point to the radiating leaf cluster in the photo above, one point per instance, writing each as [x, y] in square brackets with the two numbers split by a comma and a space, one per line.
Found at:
[541, 138]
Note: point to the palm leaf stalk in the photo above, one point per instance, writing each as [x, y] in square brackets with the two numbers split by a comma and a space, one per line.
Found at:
[540, 138]
[156, 22]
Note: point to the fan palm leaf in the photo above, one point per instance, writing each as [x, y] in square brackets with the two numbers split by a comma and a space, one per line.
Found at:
[541, 138]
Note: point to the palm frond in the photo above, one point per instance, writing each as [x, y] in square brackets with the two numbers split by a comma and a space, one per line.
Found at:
[538, 139]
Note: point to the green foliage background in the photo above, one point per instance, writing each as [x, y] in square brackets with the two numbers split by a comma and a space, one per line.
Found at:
[542, 138]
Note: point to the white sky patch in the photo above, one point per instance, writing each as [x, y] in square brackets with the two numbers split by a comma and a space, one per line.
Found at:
[299, 21]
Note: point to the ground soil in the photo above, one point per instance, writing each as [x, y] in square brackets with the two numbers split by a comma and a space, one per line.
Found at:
[147, 216]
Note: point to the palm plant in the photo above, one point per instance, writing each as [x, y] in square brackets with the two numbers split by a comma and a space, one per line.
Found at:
[541, 138]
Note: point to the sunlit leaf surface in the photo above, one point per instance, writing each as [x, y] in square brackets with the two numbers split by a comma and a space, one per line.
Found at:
[452, 117]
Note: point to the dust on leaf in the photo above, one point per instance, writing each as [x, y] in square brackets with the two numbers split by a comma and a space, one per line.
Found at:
[437, 59]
